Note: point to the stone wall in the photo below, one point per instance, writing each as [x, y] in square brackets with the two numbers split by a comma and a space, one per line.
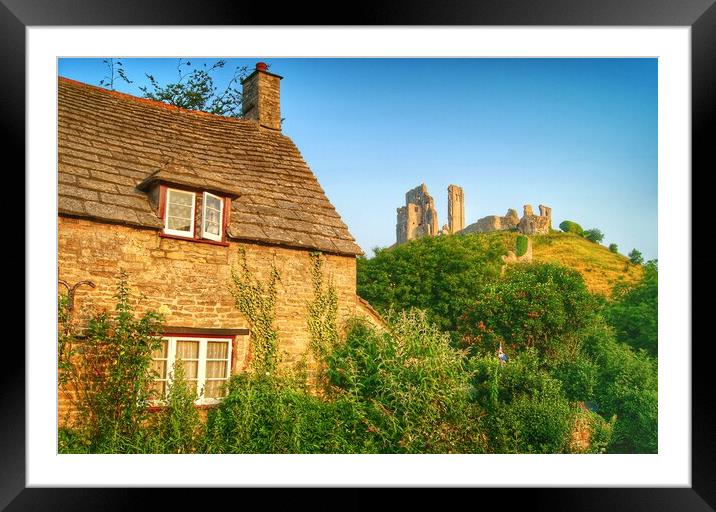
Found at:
[494, 223]
[456, 209]
[532, 224]
[190, 282]
[418, 217]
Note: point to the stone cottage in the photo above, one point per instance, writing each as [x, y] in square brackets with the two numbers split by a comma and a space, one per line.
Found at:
[170, 196]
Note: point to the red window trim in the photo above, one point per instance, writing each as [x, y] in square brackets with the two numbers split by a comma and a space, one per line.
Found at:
[197, 226]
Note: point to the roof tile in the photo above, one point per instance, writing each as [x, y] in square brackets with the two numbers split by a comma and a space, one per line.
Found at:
[110, 142]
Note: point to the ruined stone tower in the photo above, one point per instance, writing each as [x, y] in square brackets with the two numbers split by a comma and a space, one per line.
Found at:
[532, 224]
[456, 209]
[418, 217]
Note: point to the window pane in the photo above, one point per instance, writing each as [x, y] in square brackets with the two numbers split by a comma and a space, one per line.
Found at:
[217, 350]
[214, 389]
[187, 350]
[215, 369]
[190, 369]
[213, 202]
[178, 224]
[182, 212]
[161, 352]
[184, 198]
[161, 368]
[211, 227]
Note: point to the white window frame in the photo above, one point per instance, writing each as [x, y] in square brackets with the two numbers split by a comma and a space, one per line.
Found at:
[201, 370]
[176, 232]
[206, 234]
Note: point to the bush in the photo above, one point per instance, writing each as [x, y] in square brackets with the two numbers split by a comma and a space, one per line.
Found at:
[571, 227]
[437, 274]
[107, 372]
[594, 235]
[635, 257]
[613, 248]
[538, 305]
[413, 384]
[634, 311]
[527, 411]
[177, 427]
[627, 387]
[270, 414]
[521, 245]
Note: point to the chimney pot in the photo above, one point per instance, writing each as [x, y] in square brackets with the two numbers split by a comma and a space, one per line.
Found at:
[261, 66]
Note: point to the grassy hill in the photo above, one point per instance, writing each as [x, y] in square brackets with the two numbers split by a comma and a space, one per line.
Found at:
[600, 268]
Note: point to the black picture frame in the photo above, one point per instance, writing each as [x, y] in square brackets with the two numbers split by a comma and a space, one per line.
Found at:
[700, 15]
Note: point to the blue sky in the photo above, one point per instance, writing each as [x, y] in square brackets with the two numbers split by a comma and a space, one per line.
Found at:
[579, 135]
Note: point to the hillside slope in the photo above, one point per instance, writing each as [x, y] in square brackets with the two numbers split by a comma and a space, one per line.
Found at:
[600, 268]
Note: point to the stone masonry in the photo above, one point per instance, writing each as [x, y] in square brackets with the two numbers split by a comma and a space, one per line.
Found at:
[191, 282]
[532, 224]
[418, 217]
[261, 98]
[456, 209]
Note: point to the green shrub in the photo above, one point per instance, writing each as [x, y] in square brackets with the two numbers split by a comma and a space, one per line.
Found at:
[571, 227]
[268, 414]
[614, 248]
[627, 387]
[578, 377]
[107, 369]
[437, 274]
[635, 257]
[594, 235]
[540, 305]
[413, 384]
[527, 411]
[521, 245]
[634, 311]
[177, 427]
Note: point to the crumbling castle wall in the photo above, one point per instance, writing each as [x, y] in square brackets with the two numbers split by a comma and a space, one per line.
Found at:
[418, 217]
[531, 224]
[494, 223]
[456, 209]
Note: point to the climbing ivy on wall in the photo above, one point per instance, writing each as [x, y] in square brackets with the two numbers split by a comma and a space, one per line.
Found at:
[257, 302]
[322, 314]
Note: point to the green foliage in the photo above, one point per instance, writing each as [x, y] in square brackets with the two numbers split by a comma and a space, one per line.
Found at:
[521, 245]
[634, 311]
[322, 315]
[437, 274]
[267, 414]
[578, 377]
[257, 302]
[177, 427]
[594, 235]
[614, 248]
[413, 385]
[527, 411]
[571, 227]
[538, 305]
[108, 369]
[195, 89]
[635, 257]
[627, 387]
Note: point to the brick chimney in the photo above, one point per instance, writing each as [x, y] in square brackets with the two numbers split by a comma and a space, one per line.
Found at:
[262, 97]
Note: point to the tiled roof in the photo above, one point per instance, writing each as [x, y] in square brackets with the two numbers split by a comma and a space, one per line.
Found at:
[111, 143]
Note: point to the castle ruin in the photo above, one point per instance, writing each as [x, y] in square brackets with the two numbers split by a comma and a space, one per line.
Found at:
[419, 217]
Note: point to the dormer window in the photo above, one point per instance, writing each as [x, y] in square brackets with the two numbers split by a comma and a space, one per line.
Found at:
[212, 216]
[179, 213]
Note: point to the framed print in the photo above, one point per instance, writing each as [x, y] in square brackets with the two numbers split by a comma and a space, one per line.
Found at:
[680, 38]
